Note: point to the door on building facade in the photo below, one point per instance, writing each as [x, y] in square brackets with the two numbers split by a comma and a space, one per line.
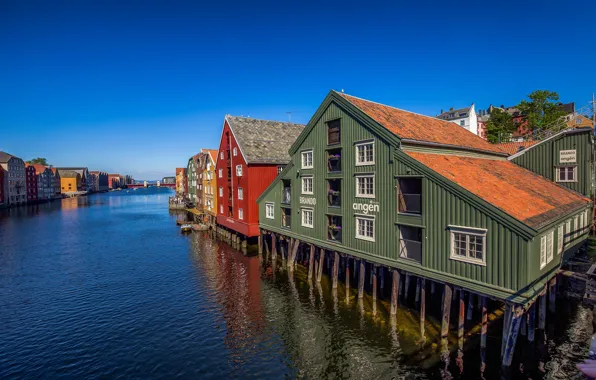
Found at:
[410, 243]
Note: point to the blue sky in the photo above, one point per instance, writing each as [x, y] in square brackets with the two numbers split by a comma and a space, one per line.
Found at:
[139, 86]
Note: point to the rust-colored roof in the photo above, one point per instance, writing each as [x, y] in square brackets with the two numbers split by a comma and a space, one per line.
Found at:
[38, 168]
[524, 195]
[212, 153]
[514, 147]
[409, 125]
[180, 171]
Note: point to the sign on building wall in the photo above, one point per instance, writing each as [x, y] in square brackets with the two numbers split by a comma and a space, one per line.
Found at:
[308, 201]
[365, 208]
[567, 156]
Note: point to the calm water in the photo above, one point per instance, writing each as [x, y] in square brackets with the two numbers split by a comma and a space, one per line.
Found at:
[106, 286]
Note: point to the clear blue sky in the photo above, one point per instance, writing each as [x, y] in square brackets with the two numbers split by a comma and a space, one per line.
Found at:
[139, 86]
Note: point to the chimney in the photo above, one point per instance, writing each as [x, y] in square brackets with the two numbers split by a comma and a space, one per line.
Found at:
[451, 109]
[441, 111]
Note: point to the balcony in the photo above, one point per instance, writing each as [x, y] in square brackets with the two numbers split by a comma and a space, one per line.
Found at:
[286, 195]
[409, 197]
[334, 193]
[410, 243]
[334, 228]
[334, 161]
[286, 218]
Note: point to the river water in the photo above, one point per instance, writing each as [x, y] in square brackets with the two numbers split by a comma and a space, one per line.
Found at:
[106, 286]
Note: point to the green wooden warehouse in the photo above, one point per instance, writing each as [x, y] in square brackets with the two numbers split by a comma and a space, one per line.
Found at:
[419, 196]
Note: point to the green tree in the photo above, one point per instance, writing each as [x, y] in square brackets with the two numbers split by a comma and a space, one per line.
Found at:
[543, 110]
[500, 126]
[38, 160]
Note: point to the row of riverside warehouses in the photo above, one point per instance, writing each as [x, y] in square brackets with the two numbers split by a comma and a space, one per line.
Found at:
[22, 183]
[408, 198]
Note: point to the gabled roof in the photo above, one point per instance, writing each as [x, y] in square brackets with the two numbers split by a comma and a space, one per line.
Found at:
[5, 157]
[569, 131]
[456, 114]
[520, 193]
[68, 173]
[180, 171]
[212, 153]
[516, 146]
[39, 168]
[264, 141]
[422, 129]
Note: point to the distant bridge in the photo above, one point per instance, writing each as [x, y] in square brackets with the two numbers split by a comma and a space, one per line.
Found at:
[137, 185]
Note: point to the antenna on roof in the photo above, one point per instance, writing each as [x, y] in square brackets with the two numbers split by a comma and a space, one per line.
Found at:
[289, 113]
[342, 90]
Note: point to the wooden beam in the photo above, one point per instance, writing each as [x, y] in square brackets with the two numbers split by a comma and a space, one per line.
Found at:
[484, 324]
[470, 306]
[311, 260]
[394, 291]
[407, 290]
[374, 288]
[506, 326]
[447, 296]
[382, 275]
[273, 247]
[422, 306]
[432, 288]
[515, 323]
[347, 263]
[417, 290]
[461, 321]
[260, 243]
[531, 322]
[552, 294]
[321, 261]
[292, 260]
[361, 279]
[542, 312]
[335, 270]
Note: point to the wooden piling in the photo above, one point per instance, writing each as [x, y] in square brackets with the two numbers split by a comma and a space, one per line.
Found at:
[542, 312]
[552, 294]
[417, 290]
[506, 326]
[311, 260]
[531, 322]
[432, 288]
[422, 306]
[515, 323]
[374, 288]
[484, 324]
[335, 270]
[260, 243]
[461, 322]
[470, 306]
[273, 247]
[347, 278]
[394, 292]
[447, 296]
[282, 248]
[292, 260]
[407, 290]
[321, 261]
[382, 276]
[361, 280]
[266, 246]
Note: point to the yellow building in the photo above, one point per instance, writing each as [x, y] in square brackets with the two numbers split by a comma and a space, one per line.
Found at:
[578, 121]
[209, 183]
[69, 181]
[181, 181]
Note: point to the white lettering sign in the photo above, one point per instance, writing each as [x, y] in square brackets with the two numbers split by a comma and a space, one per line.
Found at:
[308, 201]
[567, 156]
[366, 207]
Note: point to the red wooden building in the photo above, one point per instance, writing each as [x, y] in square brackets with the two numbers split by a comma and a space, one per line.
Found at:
[251, 154]
[31, 181]
[2, 171]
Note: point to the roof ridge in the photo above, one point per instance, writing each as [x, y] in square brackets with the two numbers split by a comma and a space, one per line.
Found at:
[254, 118]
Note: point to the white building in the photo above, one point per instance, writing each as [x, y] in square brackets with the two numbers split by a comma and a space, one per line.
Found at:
[15, 191]
[464, 117]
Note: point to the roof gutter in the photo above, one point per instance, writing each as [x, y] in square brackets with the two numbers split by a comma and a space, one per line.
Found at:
[433, 144]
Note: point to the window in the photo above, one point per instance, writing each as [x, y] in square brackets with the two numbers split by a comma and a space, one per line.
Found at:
[221, 155]
[462, 123]
[221, 191]
[410, 243]
[365, 153]
[334, 193]
[549, 246]
[578, 120]
[365, 228]
[334, 228]
[307, 185]
[220, 173]
[333, 132]
[269, 210]
[221, 209]
[365, 186]
[240, 193]
[286, 217]
[235, 152]
[239, 170]
[307, 217]
[307, 159]
[280, 169]
[468, 244]
[567, 174]
[240, 214]
[560, 239]
[409, 197]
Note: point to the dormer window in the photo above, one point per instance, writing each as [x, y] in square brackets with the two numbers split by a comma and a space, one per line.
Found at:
[333, 132]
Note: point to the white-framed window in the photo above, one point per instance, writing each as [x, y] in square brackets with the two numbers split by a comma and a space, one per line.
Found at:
[240, 214]
[235, 151]
[220, 173]
[307, 217]
[560, 242]
[240, 193]
[566, 174]
[576, 225]
[280, 169]
[365, 153]
[550, 246]
[365, 227]
[221, 155]
[365, 186]
[269, 210]
[221, 191]
[468, 244]
[307, 185]
[239, 170]
[221, 209]
[307, 159]
[462, 123]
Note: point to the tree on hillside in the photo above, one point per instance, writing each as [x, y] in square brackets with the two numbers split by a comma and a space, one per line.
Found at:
[38, 160]
[543, 109]
[500, 126]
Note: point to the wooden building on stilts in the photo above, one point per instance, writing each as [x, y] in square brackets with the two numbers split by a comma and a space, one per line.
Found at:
[421, 203]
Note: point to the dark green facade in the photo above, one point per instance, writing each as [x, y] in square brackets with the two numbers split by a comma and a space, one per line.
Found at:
[571, 148]
[512, 249]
